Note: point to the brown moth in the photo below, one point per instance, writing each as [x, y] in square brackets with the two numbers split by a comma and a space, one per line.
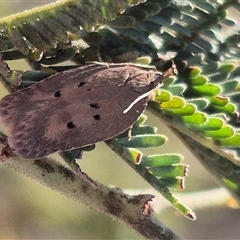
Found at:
[76, 108]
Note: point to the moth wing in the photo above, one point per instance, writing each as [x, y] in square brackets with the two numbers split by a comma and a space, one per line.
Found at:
[74, 109]
[48, 126]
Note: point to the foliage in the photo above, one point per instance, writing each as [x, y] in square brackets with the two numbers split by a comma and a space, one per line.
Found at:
[200, 104]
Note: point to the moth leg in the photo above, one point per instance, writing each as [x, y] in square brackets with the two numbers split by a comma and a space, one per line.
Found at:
[71, 156]
[12, 80]
[100, 61]
[236, 118]
[99, 58]
[70, 160]
[83, 175]
[130, 133]
[6, 151]
[153, 94]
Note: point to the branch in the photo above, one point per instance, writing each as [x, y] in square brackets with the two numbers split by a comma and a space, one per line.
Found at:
[133, 210]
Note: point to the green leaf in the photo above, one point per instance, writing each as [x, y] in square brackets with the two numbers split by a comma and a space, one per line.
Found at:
[229, 108]
[174, 103]
[202, 43]
[229, 86]
[180, 29]
[122, 22]
[172, 183]
[16, 38]
[163, 96]
[210, 68]
[231, 184]
[143, 141]
[176, 89]
[161, 20]
[169, 37]
[177, 170]
[135, 35]
[139, 130]
[194, 72]
[213, 124]
[218, 77]
[133, 155]
[152, 8]
[187, 110]
[161, 160]
[169, 81]
[219, 101]
[199, 80]
[197, 118]
[230, 142]
[235, 96]
[207, 6]
[225, 132]
[200, 103]
[208, 89]
[227, 67]
[141, 120]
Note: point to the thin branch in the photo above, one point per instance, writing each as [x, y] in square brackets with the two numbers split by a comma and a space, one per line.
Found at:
[151, 179]
[211, 198]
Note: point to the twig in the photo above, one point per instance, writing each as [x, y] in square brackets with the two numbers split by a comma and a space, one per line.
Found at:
[211, 198]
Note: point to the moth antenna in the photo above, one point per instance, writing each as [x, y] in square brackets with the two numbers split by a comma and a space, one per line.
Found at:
[166, 74]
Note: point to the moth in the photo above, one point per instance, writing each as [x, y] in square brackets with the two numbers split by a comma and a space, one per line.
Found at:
[76, 108]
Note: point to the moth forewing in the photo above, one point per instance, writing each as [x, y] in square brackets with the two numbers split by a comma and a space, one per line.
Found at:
[76, 108]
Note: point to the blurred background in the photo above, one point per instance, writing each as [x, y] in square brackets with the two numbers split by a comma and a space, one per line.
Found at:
[29, 210]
